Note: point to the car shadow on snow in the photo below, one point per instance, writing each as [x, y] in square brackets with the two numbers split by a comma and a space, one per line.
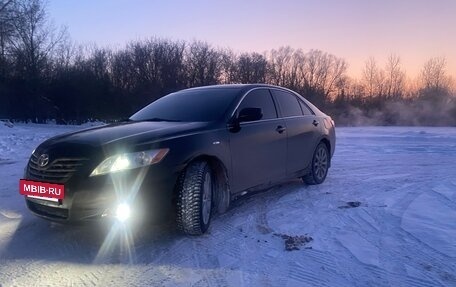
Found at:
[35, 238]
[39, 239]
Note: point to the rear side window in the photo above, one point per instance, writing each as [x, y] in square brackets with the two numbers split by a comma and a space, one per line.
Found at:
[305, 109]
[260, 98]
[288, 103]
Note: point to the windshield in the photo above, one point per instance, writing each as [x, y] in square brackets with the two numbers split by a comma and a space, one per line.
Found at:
[201, 105]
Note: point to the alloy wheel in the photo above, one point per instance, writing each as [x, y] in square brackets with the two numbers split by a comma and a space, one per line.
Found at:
[207, 198]
[321, 163]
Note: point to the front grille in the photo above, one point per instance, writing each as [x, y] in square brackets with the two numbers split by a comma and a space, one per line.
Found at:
[49, 211]
[59, 170]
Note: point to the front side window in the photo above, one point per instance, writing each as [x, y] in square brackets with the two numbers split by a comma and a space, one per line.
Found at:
[289, 105]
[260, 98]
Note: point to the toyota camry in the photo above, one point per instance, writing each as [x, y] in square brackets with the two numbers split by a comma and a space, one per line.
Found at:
[188, 154]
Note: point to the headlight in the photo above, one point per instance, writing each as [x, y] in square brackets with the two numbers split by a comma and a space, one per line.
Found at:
[123, 212]
[129, 161]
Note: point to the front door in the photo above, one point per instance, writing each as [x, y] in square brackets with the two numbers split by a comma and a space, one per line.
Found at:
[258, 148]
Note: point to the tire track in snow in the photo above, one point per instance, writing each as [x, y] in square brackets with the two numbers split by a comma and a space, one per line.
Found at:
[430, 262]
[396, 242]
[324, 259]
[306, 276]
[55, 244]
[412, 281]
[210, 264]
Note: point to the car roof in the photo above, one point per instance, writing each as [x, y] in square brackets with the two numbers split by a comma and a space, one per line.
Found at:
[239, 87]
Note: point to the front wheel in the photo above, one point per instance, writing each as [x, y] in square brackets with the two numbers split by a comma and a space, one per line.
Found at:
[320, 165]
[194, 198]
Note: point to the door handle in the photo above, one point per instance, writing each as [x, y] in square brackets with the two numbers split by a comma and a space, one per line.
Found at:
[315, 123]
[280, 129]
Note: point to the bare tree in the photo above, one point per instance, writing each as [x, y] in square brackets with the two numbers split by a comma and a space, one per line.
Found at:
[43, 74]
[395, 77]
[295, 76]
[4, 4]
[30, 50]
[373, 78]
[64, 54]
[7, 32]
[323, 72]
[436, 85]
[122, 67]
[228, 73]
[433, 74]
[203, 64]
[36, 37]
[149, 68]
[279, 62]
[7, 17]
[318, 75]
[251, 68]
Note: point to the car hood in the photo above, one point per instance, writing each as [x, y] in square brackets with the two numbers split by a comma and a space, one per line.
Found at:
[131, 133]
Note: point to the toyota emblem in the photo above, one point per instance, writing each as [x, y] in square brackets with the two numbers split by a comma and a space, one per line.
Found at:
[43, 160]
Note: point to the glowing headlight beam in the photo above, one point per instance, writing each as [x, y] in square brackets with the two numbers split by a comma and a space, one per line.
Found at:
[120, 232]
[123, 212]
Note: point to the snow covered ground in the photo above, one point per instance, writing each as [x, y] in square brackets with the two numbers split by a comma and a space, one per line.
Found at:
[386, 216]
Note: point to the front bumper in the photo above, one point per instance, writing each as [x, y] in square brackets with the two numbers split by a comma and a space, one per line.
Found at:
[148, 191]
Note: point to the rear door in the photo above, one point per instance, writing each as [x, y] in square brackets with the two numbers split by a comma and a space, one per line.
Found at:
[302, 130]
[258, 149]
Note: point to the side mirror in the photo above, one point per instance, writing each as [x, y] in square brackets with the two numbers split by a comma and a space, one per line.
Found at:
[245, 115]
[249, 115]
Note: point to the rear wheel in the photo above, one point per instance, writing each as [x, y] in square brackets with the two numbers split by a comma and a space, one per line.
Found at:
[320, 165]
[194, 200]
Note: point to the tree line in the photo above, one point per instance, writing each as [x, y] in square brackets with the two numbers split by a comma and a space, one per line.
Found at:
[44, 75]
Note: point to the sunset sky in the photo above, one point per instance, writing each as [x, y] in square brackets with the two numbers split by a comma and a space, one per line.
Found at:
[355, 30]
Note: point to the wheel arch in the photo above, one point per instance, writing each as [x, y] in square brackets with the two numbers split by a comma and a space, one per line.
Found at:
[222, 194]
[328, 146]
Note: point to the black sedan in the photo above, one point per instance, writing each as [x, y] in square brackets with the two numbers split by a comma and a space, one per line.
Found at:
[189, 153]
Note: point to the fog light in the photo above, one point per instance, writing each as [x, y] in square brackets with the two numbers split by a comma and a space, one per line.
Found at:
[123, 212]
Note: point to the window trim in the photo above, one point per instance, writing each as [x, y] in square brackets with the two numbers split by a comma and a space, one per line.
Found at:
[280, 107]
[300, 97]
[270, 88]
[236, 109]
